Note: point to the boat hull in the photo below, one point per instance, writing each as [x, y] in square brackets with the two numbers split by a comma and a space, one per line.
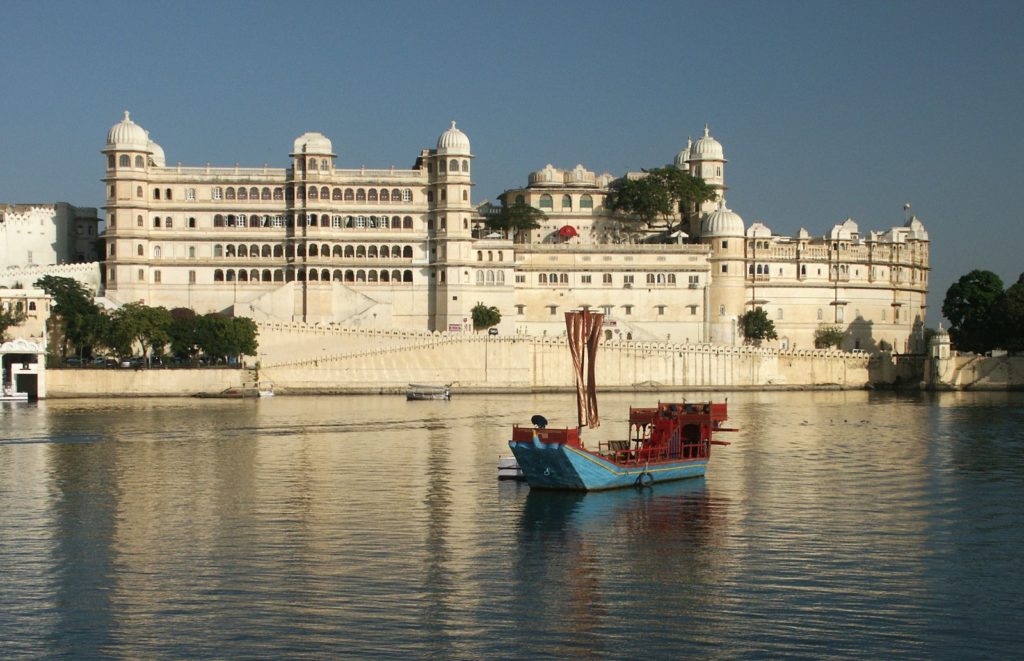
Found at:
[560, 466]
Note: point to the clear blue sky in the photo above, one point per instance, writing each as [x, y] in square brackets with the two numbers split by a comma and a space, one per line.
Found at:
[825, 110]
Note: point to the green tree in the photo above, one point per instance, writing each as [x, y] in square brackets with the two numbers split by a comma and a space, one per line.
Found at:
[182, 332]
[516, 219]
[972, 306]
[828, 336]
[756, 326]
[75, 313]
[145, 326]
[659, 197]
[1013, 316]
[9, 319]
[226, 337]
[485, 316]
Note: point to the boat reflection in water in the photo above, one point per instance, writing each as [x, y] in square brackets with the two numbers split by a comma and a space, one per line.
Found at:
[584, 559]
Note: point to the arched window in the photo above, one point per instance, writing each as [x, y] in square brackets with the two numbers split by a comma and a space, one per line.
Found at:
[407, 197]
[360, 251]
[337, 275]
[586, 202]
[385, 252]
[501, 277]
[139, 162]
[313, 193]
[314, 275]
[156, 221]
[278, 275]
[349, 195]
[278, 193]
[385, 196]
[360, 276]
[265, 193]
[336, 194]
[242, 194]
[229, 193]
[520, 199]
[566, 202]
[138, 250]
[407, 223]
[125, 161]
[430, 196]
[350, 275]
[278, 251]
[218, 276]
[229, 251]
[361, 195]
[313, 250]
[350, 251]
[453, 165]
[218, 250]
[336, 252]
[265, 251]
[542, 278]
[138, 221]
[254, 193]
[490, 277]
[465, 165]
[383, 222]
[243, 276]
[396, 195]
[465, 195]
[407, 276]
[265, 276]
[138, 191]
[407, 252]
[479, 277]
[243, 251]
[157, 252]
[371, 252]
[325, 193]
[372, 195]
[545, 202]
[156, 193]
[371, 276]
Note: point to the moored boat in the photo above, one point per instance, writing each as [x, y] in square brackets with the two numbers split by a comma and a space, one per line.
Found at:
[671, 441]
[417, 391]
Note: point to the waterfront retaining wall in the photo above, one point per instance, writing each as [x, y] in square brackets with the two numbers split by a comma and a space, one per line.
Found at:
[141, 382]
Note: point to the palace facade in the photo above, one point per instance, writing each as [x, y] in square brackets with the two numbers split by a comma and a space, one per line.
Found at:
[407, 248]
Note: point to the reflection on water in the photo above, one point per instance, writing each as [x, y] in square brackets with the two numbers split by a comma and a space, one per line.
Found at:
[837, 524]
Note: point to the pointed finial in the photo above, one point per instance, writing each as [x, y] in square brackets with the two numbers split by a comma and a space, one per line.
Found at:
[453, 123]
[706, 130]
[126, 117]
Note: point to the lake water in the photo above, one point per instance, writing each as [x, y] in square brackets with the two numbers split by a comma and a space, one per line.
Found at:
[837, 524]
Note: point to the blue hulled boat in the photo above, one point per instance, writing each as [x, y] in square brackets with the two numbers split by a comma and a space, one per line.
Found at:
[671, 441]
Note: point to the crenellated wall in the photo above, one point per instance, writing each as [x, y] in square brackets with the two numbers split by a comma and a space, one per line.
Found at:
[366, 360]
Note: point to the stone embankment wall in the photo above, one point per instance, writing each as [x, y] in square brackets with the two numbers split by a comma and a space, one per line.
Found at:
[977, 373]
[367, 360]
[142, 382]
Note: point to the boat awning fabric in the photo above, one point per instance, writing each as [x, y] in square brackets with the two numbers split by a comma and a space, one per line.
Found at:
[583, 328]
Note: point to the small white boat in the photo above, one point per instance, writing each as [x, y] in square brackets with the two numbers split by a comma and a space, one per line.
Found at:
[9, 394]
[265, 389]
[508, 469]
[417, 391]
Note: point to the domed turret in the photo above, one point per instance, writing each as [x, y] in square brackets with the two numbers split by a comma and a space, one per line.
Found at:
[707, 148]
[126, 134]
[453, 141]
[684, 156]
[156, 154]
[722, 222]
[312, 142]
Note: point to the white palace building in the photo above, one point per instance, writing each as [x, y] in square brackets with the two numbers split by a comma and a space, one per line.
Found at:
[405, 248]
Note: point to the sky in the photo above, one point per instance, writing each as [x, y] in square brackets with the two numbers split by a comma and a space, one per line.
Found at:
[826, 110]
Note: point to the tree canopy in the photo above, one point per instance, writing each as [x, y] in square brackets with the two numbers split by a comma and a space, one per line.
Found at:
[78, 314]
[485, 316]
[829, 336]
[659, 197]
[135, 323]
[1013, 316]
[973, 306]
[756, 326]
[8, 319]
[515, 219]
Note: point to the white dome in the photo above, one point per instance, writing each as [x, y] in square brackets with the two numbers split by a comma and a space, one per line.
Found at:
[453, 141]
[312, 142]
[126, 134]
[722, 222]
[707, 149]
[157, 154]
[683, 156]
